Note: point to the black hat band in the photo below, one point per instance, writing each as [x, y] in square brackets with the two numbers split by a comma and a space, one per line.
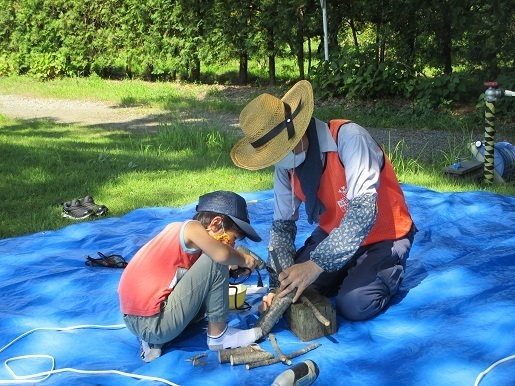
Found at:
[287, 123]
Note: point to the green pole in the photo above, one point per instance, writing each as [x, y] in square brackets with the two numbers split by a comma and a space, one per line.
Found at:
[491, 95]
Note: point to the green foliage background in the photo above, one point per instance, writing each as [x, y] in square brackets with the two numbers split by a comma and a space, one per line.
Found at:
[433, 53]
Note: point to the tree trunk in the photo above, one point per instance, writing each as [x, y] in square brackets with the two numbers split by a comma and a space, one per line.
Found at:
[447, 41]
[243, 73]
[354, 34]
[299, 43]
[300, 61]
[382, 52]
[378, 43]
[148, 71]
[410, 43]
[309, 56]
[271, 60]
[271, 70]
[195, 71]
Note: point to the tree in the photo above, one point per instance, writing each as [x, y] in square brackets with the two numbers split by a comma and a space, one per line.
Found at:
[189, 19]
[235, 33]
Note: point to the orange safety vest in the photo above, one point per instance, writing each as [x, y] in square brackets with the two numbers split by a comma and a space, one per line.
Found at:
[145, 282]
[393, 218]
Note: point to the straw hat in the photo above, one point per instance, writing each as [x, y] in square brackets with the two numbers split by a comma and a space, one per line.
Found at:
[273, 127]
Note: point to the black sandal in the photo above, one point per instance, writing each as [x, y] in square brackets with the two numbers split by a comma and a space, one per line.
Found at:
[111, 261]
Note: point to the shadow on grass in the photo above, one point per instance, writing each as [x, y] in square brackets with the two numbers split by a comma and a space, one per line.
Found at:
[45, 164]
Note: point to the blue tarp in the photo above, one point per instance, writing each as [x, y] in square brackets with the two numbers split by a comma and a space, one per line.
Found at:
[453, 317]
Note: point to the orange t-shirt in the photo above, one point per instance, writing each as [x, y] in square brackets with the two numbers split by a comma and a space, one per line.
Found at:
[150, 275]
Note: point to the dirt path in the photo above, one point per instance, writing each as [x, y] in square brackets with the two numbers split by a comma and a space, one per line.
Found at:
[424, 143]
[85, 113]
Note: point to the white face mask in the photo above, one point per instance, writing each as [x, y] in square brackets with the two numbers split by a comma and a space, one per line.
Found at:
[291, 160]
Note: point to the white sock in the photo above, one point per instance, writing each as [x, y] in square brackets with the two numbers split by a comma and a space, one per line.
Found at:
[232, 338]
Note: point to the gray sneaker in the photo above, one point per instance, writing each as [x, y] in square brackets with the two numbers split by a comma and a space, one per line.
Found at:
[149, 351]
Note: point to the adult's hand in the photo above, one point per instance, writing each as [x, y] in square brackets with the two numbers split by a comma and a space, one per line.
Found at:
[298, 276]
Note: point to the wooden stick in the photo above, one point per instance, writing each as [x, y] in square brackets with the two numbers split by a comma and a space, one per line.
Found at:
[196, 359]
[280, 354]
[254, 356]
[224, 356]
[321, 318]
[289, 356]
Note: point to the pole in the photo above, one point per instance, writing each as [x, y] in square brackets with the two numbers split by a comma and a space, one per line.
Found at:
[491, 95]
[324, 21]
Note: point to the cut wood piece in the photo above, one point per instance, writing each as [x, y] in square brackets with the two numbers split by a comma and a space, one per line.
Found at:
[250, 357]
[224, 356]
[305, 323]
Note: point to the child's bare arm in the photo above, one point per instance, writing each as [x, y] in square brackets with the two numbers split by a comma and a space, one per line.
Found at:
[195, 236]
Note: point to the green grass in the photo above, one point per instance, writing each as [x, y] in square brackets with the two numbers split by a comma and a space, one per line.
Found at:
[44, 164]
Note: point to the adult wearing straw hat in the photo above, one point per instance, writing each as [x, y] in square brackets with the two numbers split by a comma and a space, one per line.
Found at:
[358, 251]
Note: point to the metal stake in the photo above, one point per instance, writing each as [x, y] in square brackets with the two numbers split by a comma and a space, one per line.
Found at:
[324, 21]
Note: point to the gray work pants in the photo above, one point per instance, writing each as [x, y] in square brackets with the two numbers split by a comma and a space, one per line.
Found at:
[204, 286]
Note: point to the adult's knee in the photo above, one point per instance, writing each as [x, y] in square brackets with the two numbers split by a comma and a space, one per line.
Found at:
[362, 303]
[353, 307]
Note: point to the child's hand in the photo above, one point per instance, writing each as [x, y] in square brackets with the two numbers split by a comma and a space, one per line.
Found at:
[267, 301]
[243, 269]
[250, 262]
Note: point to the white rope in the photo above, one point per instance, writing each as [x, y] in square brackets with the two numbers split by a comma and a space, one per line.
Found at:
[481, 375]
[41, 376]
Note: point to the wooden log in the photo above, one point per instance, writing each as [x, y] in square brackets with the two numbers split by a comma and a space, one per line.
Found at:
[268, 319]
[250, 357]
[303, 322]
[224, 356]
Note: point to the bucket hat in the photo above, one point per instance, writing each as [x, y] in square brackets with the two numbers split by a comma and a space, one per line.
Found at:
[229, 204]
[273, 127]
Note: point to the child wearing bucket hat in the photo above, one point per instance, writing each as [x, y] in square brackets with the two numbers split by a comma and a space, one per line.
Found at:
[358, 251]
[183, 272]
